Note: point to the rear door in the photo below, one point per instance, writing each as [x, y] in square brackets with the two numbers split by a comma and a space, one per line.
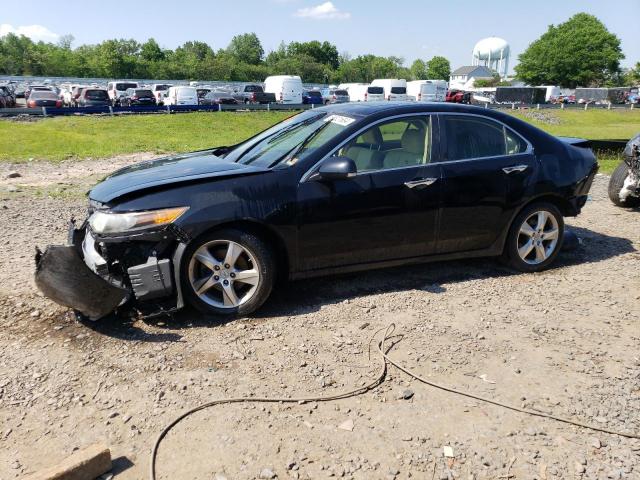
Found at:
[487, 170]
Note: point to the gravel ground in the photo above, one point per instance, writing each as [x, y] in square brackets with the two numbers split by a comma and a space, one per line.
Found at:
[565, 341]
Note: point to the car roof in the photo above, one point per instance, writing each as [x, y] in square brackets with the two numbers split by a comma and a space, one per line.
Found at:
[369, 108]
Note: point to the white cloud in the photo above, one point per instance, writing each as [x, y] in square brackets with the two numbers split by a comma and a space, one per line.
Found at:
[34, 32]
[324, 11]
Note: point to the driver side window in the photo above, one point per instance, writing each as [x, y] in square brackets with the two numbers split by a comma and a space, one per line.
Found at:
[397, 143]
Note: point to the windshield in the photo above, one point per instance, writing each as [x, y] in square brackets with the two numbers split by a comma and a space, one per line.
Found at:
[398, 90]
[290, 141]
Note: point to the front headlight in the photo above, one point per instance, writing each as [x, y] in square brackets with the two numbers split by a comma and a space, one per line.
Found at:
[106, 222]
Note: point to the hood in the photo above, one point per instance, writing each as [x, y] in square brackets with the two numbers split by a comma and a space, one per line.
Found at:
[167, 171]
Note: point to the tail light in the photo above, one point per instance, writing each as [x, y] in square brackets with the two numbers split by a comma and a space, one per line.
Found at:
[334, 97]
[58, 104]
[253, 97]
[134, 97]
[32, 103]
[419, 96]
[366, 95]
[281, 97]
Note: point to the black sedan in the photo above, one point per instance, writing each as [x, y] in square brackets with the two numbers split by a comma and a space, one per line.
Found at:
[218, 98]
[137, 96]
[343, 188]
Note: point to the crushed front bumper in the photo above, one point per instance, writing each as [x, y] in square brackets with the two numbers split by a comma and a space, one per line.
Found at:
[62, 275]
[85, 276]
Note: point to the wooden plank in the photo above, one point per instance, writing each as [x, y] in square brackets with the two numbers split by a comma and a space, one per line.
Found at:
[86, 464]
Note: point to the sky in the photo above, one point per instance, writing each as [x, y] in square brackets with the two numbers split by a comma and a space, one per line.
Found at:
[409, 29]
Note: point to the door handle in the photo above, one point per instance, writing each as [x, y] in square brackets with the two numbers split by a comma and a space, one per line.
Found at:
[516, 168]
[423, 182]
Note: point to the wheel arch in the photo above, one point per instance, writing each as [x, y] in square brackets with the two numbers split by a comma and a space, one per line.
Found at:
[561, 203]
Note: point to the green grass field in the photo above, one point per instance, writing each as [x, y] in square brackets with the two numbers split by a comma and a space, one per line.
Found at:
[62, 138]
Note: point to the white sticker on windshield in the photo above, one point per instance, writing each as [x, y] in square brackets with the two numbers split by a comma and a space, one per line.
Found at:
[340, 120]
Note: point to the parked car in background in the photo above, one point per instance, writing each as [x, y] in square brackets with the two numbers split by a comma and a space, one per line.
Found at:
[395, 89]
[34, 88]
[342, 188]
[181, 95]
[116, 89]
[75, 95]
[218, 98]
[458, 96]
[363, 92]
[7, 98]
[312, 97]
[428, 90]
[159, 89]
[253, 93]
[93, 97]
[334, 95]
[286, 88]
[137, 96]
[43, 98]
[202, 92]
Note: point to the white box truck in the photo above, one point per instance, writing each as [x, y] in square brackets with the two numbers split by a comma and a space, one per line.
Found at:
[395, 89]
[428, 90]
[287, 88]
[363, 92]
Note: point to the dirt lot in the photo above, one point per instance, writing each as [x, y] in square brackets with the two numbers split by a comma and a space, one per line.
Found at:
[565, 341]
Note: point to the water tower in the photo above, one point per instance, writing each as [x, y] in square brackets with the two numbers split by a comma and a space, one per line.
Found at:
[494, 53]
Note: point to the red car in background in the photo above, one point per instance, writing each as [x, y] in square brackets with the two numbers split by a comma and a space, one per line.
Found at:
[458, 96]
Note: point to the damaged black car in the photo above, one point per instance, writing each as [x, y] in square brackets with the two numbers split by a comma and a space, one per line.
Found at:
[336, 189]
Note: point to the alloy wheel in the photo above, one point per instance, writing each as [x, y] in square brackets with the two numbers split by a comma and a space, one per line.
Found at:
[224, 274]
[538, 237]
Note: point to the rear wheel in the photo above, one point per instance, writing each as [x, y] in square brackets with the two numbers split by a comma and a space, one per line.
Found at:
[228, 272]
[535, 238]
[616, 184]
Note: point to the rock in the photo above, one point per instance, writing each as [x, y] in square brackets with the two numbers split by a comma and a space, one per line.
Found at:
[13, 174]
[12, 188]
[579, 468]
[346, 425]
[406, 394]
[220, 476]
[267, 474]
[595, 442]
[447, 451]
[35, 313]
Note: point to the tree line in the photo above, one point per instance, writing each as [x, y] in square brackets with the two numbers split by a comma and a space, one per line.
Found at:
[244, 59]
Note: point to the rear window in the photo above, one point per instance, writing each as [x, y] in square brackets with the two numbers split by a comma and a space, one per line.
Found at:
[43, 95]
[253, 88]
[96, 95]
[144, 93]
[160, 88]
[187, 92]
[314, 93]
[398, 90]
[375, 90]
[124, 86]
[341, 93]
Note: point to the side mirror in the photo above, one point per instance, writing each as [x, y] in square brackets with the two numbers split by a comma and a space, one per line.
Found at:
[337, 168]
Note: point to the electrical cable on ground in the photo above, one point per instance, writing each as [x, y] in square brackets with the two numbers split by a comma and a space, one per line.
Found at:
[379, 379]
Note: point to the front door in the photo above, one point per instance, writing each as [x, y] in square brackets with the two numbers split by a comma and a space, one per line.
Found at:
[388, 211]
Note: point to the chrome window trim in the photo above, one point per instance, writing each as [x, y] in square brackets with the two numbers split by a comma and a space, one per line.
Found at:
[356, 134]
[529, 149]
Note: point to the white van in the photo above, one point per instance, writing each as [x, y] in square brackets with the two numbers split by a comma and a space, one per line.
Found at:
[181, 96]
[159, 89]
[363, 92]
[116, 89]
[394, 88]
[428, 90]
[287, 88]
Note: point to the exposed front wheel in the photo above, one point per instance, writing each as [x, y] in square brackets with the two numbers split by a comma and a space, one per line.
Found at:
[616, 186]
[535, 238]
[229, 272]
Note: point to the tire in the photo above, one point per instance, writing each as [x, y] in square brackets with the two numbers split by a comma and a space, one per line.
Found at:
[538, 257]
[616, 183]
[236, 297]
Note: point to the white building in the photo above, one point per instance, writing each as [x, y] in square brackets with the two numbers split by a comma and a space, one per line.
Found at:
[464, 78]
